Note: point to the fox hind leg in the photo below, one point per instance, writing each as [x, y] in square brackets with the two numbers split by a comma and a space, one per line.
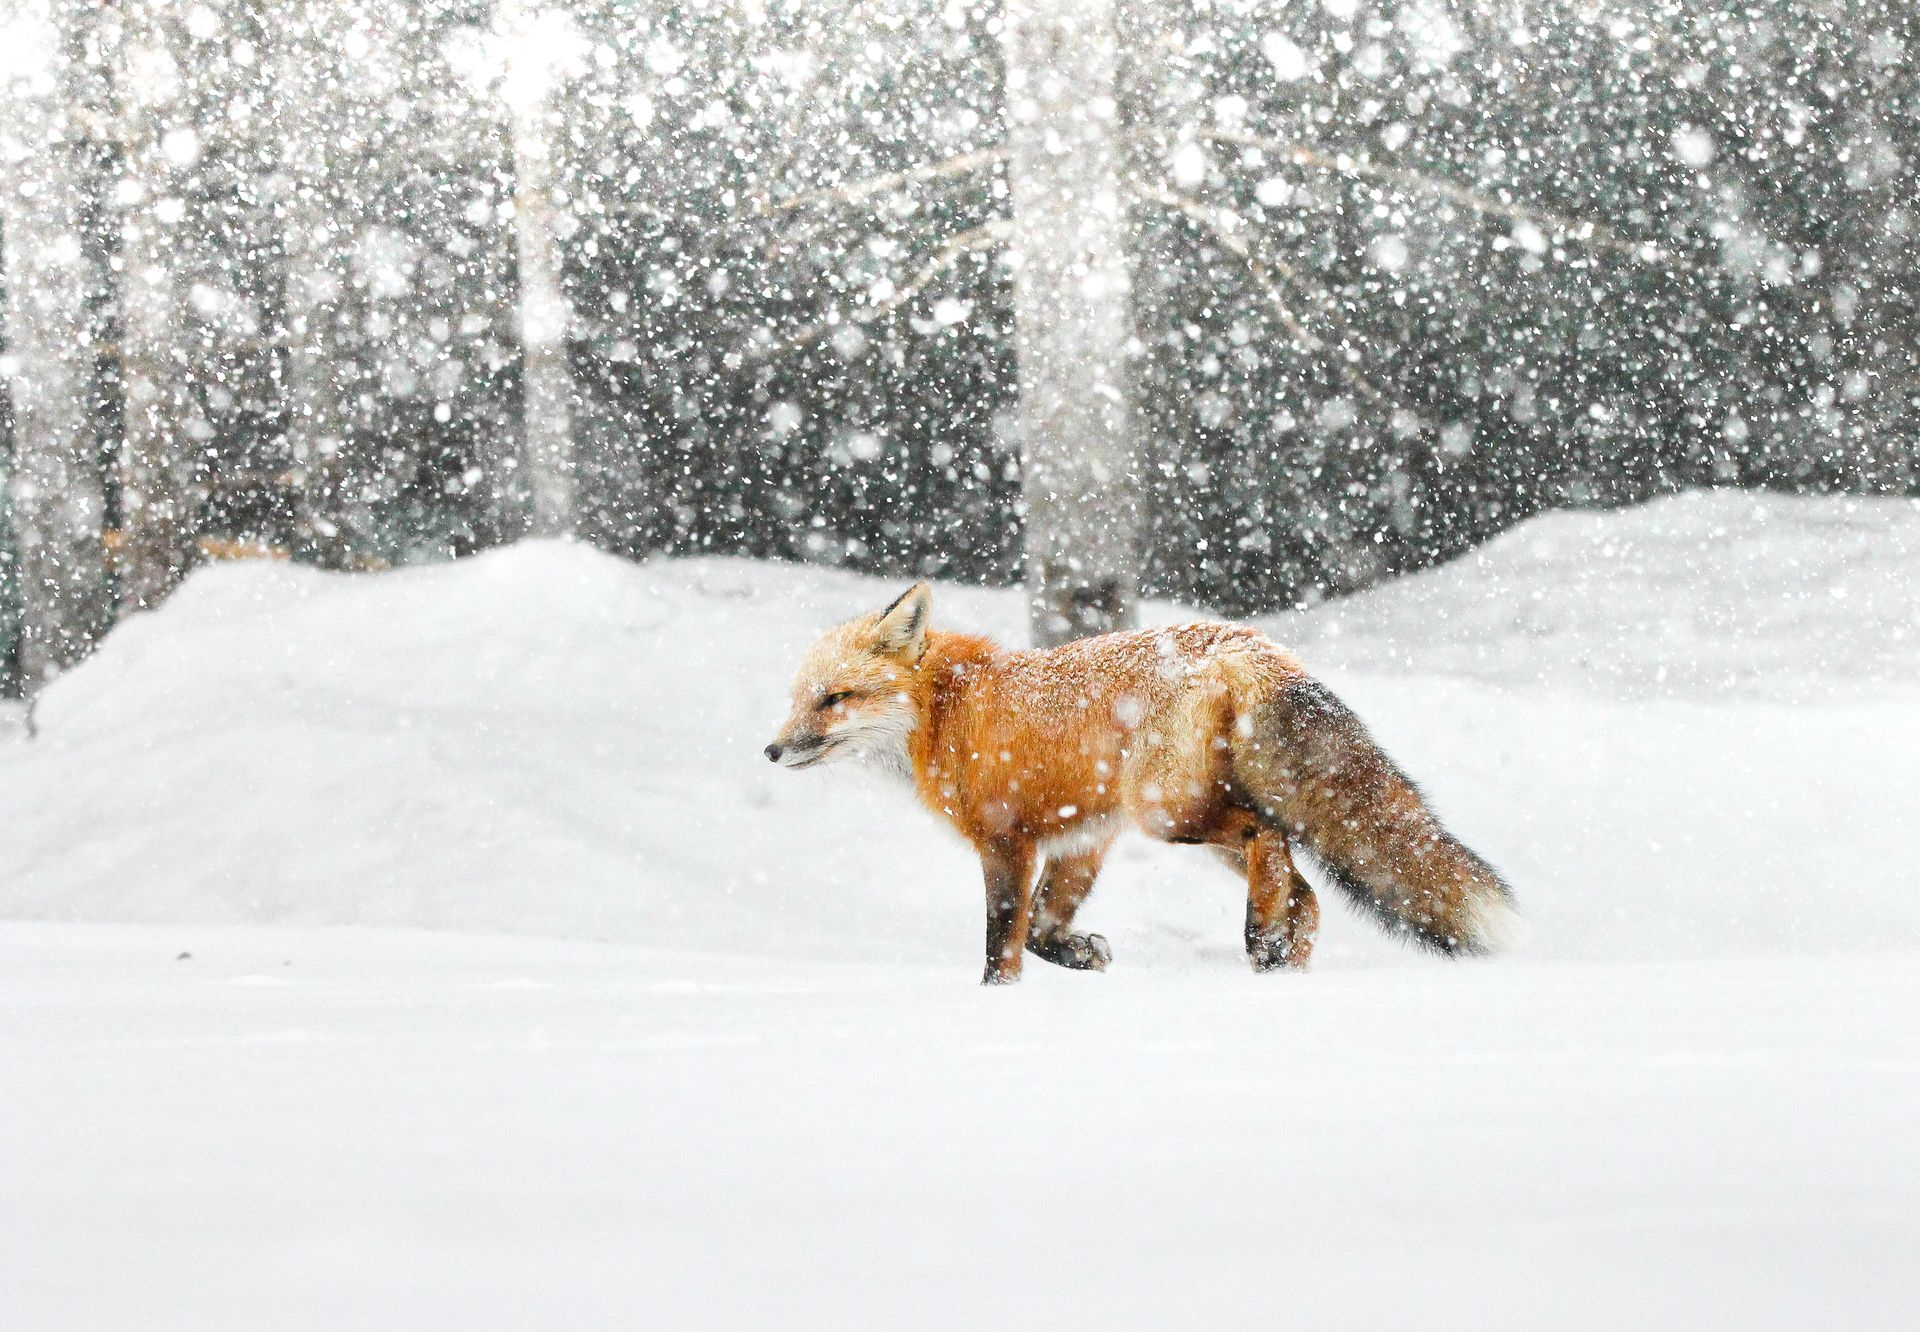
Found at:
[1283, 915]
[1064, 885]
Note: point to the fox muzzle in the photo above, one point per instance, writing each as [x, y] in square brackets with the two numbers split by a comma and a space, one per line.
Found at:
[796, 751]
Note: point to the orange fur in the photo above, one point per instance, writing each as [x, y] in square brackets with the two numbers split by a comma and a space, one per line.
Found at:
[1202, 733]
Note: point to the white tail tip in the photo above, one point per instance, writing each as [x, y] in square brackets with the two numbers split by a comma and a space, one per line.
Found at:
[1497, 926]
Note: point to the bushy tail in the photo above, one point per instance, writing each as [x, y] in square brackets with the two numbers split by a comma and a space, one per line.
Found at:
[1315, 772]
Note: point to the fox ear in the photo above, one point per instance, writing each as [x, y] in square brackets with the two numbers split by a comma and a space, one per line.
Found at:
[902, 629]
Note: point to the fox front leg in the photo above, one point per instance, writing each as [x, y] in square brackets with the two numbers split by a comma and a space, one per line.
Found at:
[1065, 882]
[1009, 876]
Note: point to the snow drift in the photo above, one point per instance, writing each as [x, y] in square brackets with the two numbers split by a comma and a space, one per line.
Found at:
[1679, 730]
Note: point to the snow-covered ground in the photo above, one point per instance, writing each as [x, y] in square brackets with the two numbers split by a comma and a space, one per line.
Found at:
[518, 990]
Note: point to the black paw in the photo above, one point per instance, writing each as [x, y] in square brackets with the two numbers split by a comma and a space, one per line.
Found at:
[1081, 952]
[1275, 952]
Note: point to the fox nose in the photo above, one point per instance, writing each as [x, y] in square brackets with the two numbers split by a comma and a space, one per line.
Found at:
[774, 751]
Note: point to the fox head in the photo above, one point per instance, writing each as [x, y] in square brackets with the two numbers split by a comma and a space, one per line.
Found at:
[853, 695]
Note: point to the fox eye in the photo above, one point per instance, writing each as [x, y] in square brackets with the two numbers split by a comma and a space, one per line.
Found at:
[833, 700]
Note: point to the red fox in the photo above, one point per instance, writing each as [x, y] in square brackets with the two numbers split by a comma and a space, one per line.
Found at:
[1208, 734]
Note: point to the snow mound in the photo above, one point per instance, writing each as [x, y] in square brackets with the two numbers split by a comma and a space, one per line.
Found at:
[1707, 594]
[549, 740]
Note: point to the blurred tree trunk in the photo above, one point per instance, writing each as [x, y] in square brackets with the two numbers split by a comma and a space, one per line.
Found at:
[318, 213]
[1877, 396]
[159, 464]
[1072, 322]
[1162, 106]
[544, 315]
[58, 490]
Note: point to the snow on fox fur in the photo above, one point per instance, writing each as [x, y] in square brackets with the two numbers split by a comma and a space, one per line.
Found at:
[1209, 734]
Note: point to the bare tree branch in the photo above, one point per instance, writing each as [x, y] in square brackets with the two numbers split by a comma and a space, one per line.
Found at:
[1272, 274]
[957, 248]
[1225, 226]
[1581, 231]
[855, 191]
